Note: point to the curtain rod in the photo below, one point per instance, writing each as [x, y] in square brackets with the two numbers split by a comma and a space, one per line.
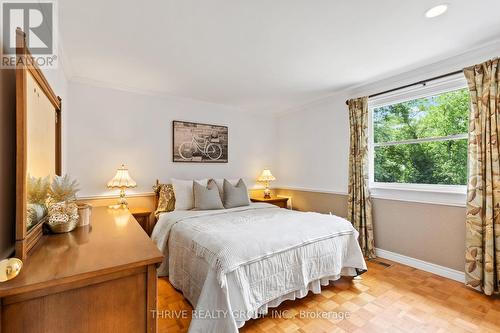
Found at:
[413, 84]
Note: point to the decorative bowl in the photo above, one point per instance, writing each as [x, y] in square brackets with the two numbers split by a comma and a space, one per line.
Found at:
[63, 217]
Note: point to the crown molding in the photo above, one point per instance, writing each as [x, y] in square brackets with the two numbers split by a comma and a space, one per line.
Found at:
[64, 62]
[157, 93]
[139, 91]
[416, 72]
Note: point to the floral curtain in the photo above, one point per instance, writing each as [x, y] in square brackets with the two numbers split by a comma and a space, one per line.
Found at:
[359, 208]
[482, 267]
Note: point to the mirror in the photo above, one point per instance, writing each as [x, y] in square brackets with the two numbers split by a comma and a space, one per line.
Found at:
[41, 152]
[38, 153]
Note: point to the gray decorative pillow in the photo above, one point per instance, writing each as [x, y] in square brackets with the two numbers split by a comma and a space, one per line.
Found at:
[206, 197]
[235, 196]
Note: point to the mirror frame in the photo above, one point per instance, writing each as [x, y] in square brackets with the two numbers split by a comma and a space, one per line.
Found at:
[26, 240]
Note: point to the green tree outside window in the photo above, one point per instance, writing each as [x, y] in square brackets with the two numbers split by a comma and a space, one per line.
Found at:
[443, 117]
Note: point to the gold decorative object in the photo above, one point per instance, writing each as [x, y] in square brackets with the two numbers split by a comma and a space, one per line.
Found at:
[166, 198]
[10, 268]
[63, 189]
[122, 180]
[63, 217]
[63, 211]
[265, 177]
[37, 194]
[38, 189]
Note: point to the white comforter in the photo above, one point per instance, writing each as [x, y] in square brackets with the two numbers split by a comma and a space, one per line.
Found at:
[232, 264]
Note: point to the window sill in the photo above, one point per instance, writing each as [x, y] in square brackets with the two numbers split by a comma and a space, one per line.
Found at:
[428, 194]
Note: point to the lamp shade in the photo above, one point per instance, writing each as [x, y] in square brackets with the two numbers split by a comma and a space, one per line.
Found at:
[122, 179]
[266, 176]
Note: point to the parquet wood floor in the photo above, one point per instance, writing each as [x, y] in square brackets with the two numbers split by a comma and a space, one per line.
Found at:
[394, 299]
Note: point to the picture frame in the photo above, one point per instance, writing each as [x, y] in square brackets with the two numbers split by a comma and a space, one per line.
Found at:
[199, 143]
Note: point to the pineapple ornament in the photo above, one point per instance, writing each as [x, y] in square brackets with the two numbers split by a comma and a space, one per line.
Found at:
[63, 211]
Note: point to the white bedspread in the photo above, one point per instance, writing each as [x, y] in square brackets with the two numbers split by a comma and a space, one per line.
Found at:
[232, 264]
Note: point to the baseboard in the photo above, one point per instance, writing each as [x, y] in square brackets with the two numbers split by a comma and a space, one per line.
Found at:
[422, 265]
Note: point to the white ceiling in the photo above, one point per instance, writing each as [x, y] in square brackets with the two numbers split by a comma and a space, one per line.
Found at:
[266, 55]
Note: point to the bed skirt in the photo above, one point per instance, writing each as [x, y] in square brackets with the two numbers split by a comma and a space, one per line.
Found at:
[313, 286]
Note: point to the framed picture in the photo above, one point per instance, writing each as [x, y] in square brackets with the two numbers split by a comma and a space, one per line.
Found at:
[199, 143]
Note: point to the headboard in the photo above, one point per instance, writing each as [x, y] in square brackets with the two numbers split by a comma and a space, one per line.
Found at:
[156, 188]
[156, 197]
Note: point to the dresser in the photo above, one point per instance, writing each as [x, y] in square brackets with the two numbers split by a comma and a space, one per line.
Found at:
[97, 278]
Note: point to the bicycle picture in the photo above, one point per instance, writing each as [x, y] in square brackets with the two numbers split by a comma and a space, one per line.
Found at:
[195, 142]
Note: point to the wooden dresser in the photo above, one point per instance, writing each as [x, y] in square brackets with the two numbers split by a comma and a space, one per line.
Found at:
[98, 278]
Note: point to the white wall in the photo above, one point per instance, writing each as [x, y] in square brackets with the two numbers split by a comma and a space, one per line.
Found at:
[59, 83]
[313, 146]
[108, 127]
[313, 155]
[314, 139]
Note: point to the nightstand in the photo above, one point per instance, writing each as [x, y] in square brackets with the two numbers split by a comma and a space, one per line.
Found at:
[280, 202]
[143, 217]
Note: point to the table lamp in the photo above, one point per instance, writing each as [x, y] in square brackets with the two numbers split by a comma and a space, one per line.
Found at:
[122, 180]
[265, 177]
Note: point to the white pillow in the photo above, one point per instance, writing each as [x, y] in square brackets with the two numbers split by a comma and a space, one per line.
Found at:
[183, 191]
[220, 185]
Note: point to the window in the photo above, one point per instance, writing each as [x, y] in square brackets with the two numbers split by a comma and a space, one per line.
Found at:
[419, 138]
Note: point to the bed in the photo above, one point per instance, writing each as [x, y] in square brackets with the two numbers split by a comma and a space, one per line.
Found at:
[234, 264]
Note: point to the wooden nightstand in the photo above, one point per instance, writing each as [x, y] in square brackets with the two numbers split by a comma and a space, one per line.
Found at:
[280, 202]
[143, 217]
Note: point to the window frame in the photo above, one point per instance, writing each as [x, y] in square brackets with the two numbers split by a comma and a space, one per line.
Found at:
[427, 193]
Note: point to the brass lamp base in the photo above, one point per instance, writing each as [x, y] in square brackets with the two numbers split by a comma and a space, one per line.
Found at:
[122, 202]
[267, 192]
